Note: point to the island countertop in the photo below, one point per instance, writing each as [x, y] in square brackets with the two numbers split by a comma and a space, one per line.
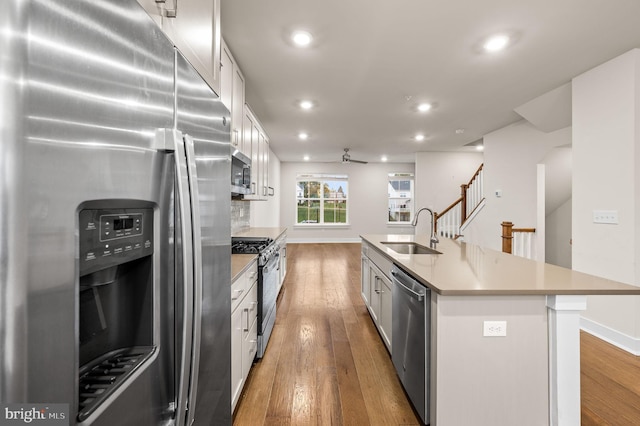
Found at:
[466, 269]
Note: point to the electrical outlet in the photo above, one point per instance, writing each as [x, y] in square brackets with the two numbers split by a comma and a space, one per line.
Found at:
[605, 216]
[495, 329]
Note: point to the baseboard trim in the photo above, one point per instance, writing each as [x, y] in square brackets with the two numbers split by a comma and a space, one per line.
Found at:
[616, 338]
[322, 240]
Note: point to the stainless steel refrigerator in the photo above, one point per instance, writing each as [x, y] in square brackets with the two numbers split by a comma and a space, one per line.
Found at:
[114, 220]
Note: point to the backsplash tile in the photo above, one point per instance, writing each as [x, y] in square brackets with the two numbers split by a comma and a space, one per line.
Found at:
[240, 216]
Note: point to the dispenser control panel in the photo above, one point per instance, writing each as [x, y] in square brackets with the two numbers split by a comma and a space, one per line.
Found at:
[110, 237]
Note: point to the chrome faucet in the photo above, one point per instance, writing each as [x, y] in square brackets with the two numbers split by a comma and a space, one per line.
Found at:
[434, 238]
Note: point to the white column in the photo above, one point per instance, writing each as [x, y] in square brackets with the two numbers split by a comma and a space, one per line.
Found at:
[564, 358]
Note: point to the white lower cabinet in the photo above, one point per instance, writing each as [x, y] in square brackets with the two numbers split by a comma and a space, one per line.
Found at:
[376, 291]
[244, 329]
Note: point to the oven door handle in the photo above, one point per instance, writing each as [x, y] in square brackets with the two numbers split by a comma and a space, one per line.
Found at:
[271, 263]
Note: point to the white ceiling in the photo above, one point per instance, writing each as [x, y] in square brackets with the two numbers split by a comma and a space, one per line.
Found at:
[372, 61]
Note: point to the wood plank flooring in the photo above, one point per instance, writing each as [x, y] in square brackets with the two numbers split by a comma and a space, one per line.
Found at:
[326, 364]
[610, 382]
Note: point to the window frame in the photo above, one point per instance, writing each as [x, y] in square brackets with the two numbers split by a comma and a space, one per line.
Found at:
[401, 176]
[322, 179]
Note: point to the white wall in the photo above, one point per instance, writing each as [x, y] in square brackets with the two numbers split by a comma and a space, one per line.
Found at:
[606, 176]
[511, 155]
[558, 236]
[438, 179]
[367, 201]
[267, 213]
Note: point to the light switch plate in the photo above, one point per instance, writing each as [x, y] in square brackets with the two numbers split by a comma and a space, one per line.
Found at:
[605, 216]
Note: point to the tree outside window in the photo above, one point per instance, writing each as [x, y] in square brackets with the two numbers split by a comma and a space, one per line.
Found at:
[322, 199]
[400, 191]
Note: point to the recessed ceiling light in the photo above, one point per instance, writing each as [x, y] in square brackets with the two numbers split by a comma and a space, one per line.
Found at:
[305, 158]
[383, 158]
[479, 147]
[303, 136]
[424, 107]
[301, 38]
[496, 43]
[306, 104]
[459, 131]
[419, 137]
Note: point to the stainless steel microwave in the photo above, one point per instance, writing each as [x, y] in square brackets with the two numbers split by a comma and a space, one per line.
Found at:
[240, 173]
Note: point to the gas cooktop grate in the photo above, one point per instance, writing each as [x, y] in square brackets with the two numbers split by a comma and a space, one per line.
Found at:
[103, 376]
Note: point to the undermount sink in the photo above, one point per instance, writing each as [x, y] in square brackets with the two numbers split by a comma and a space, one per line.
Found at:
[409, 248]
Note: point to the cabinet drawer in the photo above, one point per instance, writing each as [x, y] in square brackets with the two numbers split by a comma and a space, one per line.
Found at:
[240, 287]
[382, 262]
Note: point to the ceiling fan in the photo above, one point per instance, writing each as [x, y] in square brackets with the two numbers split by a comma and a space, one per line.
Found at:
[346, 158]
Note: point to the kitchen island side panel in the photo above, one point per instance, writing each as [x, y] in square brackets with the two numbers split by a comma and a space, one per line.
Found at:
[489, 381]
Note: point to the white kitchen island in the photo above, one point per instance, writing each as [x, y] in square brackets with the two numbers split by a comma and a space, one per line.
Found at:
[530, 376]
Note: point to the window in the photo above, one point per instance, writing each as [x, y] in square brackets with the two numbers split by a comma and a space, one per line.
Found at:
[400, 190]
[322, 199]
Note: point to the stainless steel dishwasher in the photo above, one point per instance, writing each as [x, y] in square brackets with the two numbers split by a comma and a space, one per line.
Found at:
[410, 343]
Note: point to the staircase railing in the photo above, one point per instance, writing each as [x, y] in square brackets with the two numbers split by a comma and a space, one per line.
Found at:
[449, 221]
[518, 241]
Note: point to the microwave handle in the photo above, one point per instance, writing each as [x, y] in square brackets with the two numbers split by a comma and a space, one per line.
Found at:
[253, 188]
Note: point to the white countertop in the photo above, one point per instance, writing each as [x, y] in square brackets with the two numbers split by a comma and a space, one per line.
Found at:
[467, 269]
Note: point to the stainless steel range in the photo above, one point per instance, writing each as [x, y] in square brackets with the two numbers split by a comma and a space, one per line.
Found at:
[268, 273]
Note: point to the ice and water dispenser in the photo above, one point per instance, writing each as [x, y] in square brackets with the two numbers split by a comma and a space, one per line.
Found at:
[116, 300]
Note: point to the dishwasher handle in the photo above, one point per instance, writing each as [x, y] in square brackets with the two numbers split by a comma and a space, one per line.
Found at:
[396, 279]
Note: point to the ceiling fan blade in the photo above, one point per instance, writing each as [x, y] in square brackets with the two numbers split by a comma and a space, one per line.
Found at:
[358, 161]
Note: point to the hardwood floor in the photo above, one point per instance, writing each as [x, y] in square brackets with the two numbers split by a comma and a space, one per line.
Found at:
[326, 364]
[610, 382]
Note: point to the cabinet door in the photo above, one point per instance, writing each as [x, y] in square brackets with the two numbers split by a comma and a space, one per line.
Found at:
[226, 81]
[256, 180]
[237, 111]
[247, 132]
[385, 321]
[374, 293]
[365, 283]
[283, 261]
[264, 163]
[194, 28]
[237, 378]
[249, 330]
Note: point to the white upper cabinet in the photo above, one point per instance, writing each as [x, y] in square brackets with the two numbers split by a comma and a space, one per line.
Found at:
[232, 95]
[256, 142]
[226, 76]
[194, 28]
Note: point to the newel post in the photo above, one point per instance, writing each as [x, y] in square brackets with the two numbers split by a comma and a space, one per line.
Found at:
[507, 236]
[463, 205]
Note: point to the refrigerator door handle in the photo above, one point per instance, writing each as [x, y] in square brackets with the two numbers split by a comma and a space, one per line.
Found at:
[197, 270]
[171, 140]
[187, 199]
